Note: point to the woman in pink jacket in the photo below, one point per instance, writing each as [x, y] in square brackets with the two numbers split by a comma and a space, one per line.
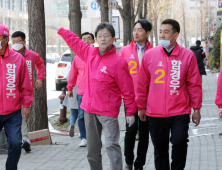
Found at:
[107, 78]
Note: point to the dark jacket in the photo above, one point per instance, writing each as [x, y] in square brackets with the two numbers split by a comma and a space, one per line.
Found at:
[200, 55]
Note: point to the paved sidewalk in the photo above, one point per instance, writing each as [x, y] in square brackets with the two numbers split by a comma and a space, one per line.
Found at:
[204, 150]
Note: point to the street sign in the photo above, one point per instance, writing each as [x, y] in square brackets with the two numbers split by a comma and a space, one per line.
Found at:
[112, 4]
[115, 23]
[94, 5]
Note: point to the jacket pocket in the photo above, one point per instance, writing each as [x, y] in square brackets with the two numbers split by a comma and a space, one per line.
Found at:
[113, 102]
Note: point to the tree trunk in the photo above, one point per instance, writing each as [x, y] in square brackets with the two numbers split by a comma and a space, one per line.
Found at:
[155, 31]
[75, 16]
[151, 37]
[142, 14]
[104, 9]
[38, 118]
[125, 14]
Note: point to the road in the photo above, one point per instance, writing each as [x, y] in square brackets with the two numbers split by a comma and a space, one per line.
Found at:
[53, 101]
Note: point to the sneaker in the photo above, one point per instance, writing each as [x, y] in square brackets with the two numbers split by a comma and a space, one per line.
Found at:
[26, 145]
[71, 130]
[83, 143]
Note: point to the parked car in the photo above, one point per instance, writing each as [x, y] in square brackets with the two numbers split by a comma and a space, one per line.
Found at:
[50, 59]
[62, 71]
[54, 55]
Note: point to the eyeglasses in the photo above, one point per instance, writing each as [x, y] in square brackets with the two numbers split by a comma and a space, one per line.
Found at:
[101, 36]
[87, 39]
[16, 42]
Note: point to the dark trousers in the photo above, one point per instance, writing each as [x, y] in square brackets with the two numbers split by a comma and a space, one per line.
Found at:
[130, 135]
[160, 129]
[12, 124]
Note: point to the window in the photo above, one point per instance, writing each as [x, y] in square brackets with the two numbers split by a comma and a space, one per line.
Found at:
[20, 5]
[7, 4]
[66, 57]
[25, 6]
[13, 4]
[1, 3]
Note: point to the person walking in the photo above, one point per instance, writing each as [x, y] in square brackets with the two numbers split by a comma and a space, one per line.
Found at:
[16, 93]
[200, 55]
[33, 60]
[78, 76]
[107, 78]
[133, 54]
[169, 85]
[218, 99]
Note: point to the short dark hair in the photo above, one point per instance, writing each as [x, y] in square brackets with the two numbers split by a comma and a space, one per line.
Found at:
[106, 25]
[198, 42]
[86, 33]
[146, 25]
[174, 23]
[19, 34]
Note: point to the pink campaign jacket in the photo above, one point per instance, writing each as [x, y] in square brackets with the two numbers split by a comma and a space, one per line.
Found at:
[106, 79]
[129, 53]
[33, 59]
[77, 73]
[15, 86]
[218, 100]
[169, 86]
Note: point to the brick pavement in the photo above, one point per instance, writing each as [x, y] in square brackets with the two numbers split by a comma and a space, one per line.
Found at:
[204, 150]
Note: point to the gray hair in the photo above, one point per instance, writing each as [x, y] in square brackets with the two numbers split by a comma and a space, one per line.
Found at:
[106, 25]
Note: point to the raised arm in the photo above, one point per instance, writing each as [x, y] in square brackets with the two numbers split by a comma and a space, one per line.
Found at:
[78, 46]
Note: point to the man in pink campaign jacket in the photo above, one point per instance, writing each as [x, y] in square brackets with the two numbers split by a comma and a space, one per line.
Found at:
[169, 85]
[218, 100]
[107, 78]
[32, 60]
[133, 54]
[77, 76]
[15, 92]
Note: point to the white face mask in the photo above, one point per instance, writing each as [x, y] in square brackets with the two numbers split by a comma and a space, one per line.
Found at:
[166, 43]
[1, 44]
[17, 47]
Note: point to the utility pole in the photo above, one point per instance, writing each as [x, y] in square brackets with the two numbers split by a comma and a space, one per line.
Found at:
[110, 11]
[196, 20]
[201, 3]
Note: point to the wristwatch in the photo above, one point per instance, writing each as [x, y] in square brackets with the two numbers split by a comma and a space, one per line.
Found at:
[197, 111]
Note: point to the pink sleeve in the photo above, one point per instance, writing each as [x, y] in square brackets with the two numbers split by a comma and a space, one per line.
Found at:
[125, 83]
[40, 68]
[194, 86]
[218, 100]
[78, 46]
[72, 75]
[25, 87]
[143, 85]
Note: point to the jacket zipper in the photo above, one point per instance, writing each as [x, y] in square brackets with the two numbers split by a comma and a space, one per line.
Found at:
[166, 87]
[92, 86]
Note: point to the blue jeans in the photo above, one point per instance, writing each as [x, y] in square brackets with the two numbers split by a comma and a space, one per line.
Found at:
[12, 124]
[79, 113]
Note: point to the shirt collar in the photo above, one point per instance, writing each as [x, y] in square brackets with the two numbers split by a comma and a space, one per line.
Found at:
[138, 45]
[169, 50]
[23, 53]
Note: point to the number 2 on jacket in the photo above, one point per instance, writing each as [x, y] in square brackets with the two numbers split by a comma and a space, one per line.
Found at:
[157, 80]
[133, 67]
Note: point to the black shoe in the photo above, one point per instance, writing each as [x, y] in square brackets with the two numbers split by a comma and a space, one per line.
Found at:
[26, 146]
